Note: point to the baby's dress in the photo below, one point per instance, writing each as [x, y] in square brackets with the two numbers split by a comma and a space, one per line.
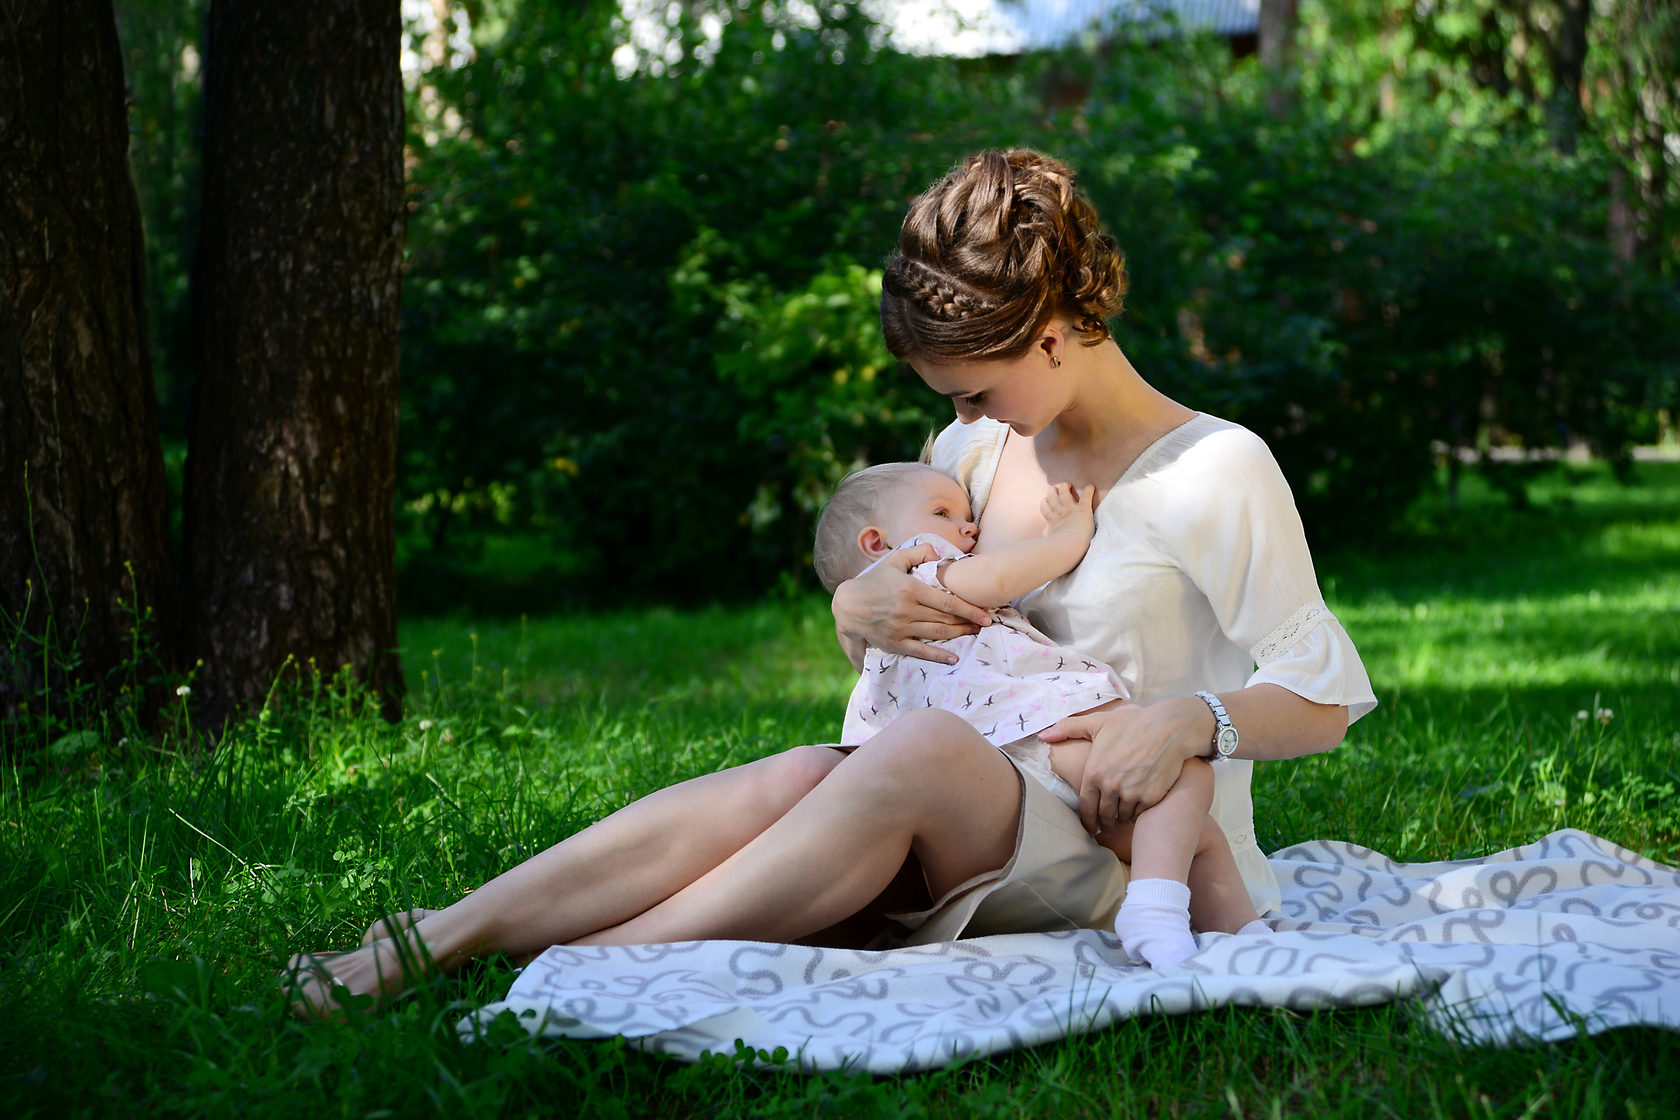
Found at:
[1010, 682]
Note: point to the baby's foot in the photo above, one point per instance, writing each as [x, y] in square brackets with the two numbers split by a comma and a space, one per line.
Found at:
[1154, 923]
[392, 924]
[327, 985]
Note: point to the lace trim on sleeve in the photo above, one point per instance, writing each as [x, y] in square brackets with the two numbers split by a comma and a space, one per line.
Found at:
[1288, 632]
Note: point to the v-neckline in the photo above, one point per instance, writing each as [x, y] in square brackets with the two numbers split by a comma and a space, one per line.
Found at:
[1134, 467]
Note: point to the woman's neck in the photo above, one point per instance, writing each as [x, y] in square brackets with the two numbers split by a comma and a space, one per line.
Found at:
[1112, 411]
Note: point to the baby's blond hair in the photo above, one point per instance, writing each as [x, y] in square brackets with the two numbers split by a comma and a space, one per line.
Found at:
[852, 509]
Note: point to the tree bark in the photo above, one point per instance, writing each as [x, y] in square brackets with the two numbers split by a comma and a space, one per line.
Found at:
[84, 547]
[291, 471]
[1568, 60]
[1279, 22]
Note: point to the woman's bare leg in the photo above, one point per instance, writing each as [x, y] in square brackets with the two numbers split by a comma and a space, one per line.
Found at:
[611, 871]
[392, 924]
[926, 785]
[929, 784]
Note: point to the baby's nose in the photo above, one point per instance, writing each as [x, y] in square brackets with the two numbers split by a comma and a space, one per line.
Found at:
[970, 529]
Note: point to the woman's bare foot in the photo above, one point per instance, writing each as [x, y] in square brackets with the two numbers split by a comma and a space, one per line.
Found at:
[391, 924]
[327, 985]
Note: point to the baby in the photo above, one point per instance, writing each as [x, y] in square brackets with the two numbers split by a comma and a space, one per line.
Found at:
[1011, 682]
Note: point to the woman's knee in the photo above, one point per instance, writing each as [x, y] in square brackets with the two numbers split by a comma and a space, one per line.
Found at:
[925, 739]
[793, 773]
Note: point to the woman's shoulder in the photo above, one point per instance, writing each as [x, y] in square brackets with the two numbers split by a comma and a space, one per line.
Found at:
[1213, 455]
[1209, 438]
[1208, 477]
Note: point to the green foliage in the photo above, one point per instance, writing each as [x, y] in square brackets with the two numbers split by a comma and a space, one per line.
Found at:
[819, 393]
[625, 313]
[638, 319]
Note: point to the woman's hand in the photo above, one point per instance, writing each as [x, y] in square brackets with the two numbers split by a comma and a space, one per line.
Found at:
[1137, 751]
[898, 613]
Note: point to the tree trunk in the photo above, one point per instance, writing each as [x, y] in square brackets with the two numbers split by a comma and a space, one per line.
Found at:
[1279, 21]
[292, 466]
[83, 533]
[1568, 58]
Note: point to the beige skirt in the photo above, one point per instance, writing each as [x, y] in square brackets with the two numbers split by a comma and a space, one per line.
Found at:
[1058, 878]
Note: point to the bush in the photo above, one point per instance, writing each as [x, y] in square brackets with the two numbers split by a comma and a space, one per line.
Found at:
[640, 314]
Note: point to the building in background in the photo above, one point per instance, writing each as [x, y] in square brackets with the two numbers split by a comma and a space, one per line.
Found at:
[978, 28]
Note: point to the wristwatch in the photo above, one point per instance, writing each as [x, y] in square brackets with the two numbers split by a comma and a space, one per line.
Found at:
[1224, 735]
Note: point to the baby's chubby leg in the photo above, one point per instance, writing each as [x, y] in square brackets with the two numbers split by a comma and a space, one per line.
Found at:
[1068, 760]
[1154, 919]
[1219, 901]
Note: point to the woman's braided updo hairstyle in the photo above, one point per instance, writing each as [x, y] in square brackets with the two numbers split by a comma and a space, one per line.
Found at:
[991, 253]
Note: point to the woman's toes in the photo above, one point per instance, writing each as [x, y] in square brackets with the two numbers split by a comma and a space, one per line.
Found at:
[314, 991]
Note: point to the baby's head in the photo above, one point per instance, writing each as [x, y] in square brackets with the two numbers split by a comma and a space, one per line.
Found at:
[875, 510]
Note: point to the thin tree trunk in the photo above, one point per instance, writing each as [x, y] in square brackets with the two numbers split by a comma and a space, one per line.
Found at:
[83, 533]
[1279, 21]
[291, 471]
[1568, 58]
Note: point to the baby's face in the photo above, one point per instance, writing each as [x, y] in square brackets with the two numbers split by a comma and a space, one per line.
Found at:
[930, 502]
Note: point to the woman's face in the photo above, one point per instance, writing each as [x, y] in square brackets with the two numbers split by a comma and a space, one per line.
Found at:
[1026, 392]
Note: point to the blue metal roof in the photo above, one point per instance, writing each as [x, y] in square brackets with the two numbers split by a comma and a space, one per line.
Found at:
[977, 27]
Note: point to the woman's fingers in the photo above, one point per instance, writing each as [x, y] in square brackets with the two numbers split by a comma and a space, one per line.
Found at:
[1073, 727]
[1123, 774]
[950, 614]
[898, 613]
[949, 607]
[906, 558]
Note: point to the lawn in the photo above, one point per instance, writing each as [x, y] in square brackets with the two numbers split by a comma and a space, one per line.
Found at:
[1528, 664]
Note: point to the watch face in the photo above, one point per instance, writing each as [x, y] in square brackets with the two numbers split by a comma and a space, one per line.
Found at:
[1225, 741]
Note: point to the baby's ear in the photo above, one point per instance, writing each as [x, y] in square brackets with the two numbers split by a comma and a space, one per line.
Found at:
[873, 543]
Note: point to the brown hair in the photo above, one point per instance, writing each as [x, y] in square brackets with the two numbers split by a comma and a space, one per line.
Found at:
[835, 552]
[991, 253]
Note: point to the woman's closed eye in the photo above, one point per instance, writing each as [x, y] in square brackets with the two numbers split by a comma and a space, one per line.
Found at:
[974, 400]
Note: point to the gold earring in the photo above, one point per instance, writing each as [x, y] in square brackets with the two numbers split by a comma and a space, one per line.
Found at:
[1055, 362]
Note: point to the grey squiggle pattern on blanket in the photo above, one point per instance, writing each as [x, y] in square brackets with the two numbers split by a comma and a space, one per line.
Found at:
[1533, 943]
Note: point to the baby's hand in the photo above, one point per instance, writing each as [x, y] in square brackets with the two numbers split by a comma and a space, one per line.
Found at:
[1067, 510]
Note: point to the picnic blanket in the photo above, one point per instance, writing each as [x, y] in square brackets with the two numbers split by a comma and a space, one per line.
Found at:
[1531, 944]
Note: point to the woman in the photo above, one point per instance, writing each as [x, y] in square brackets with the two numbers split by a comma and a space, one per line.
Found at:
[1198, 571]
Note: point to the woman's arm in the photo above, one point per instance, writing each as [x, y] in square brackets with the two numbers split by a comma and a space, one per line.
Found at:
[1137, 750]
[999, 576]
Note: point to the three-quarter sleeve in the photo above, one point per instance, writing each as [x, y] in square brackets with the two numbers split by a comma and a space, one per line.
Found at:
[1245, 549]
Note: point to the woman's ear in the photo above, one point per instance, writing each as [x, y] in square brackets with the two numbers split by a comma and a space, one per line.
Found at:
[1052, 342]
[873, 543]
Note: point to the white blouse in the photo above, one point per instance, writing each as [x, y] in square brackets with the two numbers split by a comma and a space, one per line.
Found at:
[1198, 577]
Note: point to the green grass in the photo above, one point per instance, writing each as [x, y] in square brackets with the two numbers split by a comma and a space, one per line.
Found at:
[151, 890]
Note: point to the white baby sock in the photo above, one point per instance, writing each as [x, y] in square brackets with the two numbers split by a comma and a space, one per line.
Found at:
[1154, 922]
[1256, 928]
